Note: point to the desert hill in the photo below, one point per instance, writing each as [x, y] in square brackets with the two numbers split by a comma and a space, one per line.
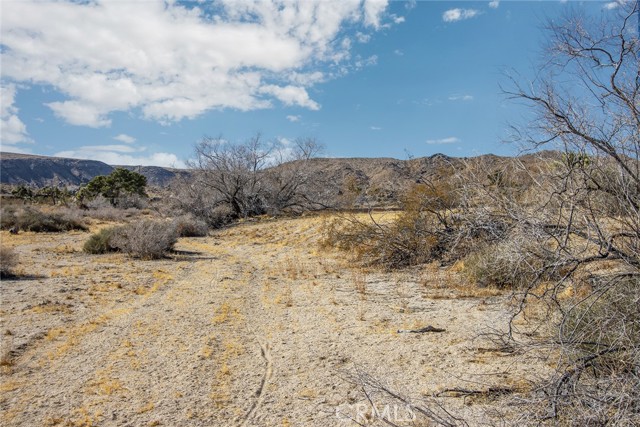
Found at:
[383, 178]
[41, 171]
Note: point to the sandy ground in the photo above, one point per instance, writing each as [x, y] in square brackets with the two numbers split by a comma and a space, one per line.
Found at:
[254, 325]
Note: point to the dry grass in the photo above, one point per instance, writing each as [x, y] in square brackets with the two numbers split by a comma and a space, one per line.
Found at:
[319, 314]
[8, 262]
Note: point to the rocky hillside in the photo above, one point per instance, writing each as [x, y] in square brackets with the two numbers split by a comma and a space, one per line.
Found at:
[40, 171]
[375, 181]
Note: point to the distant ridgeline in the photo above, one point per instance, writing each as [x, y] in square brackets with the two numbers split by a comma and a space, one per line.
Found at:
[41, 171]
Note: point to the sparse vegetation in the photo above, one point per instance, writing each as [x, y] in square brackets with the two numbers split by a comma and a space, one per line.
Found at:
[188, 226]
[32, 219]
[8, 262]
[145, 239]
[239, 180]
[102, 241]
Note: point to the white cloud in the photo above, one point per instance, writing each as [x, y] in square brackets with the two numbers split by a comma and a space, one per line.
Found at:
[373, 10]
[398, 52]
[122, 155]
[454, 15]
[398, 19]
[173, 60]
[611, 5]
[448, 140]
[362, 37]
[366, 62]
[294, 119]
[80, 113]
[461, 97]
[113, 147]
[291, 95]
[494, 4]
[125, 138]
[376, 128]
[13, 131]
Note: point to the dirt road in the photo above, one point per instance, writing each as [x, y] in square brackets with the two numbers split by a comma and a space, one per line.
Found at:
[251, 326]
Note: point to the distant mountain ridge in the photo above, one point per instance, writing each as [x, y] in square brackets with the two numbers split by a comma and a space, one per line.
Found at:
[41, 171]
[382, 180]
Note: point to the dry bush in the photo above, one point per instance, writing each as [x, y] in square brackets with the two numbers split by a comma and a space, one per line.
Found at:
[422, 232]
[231, 181]
[515, 261]
[188, 226]
[101, 242]
[31, 219]
[440, 221]
[101, 209]
[8, 217]
[585, 101]
[8, 261]
[199, 201]
[145, 239]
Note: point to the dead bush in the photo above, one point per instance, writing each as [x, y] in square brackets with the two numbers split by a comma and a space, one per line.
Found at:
[400, 243]
[597, 381]
[188, 226]
[101, 242]
[101, 209]
[504, 264]
[31, 219]
[8, 261]
[146, 239]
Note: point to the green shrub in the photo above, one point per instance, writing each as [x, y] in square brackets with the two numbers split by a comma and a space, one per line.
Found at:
[101, 242]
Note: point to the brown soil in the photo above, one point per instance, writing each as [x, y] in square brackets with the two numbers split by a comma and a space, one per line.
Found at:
[253, 325]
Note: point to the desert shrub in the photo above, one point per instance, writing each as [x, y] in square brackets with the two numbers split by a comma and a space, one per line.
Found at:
[188, 226]
[405, 241]
[500, 265]
[8, 217]
[132, 201]
[30, 219]
[8, 261]
[600, 336]
[424, 231]
[145, 239]
[102, 209]
[101, 242]
[220, 216]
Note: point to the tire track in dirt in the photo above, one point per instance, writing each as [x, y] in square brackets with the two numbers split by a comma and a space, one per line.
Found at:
[265, 349]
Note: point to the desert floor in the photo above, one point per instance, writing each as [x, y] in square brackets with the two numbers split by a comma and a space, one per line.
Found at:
[253, 325]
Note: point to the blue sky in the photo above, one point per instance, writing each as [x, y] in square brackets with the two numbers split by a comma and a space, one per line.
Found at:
[140, 82]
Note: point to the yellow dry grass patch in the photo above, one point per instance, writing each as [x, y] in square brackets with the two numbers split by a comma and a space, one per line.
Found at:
[104, 383]
[50, 307]
[75, 334]
[161, 277]
[227, 311]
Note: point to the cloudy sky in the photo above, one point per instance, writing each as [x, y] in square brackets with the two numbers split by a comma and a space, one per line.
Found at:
[140, 82]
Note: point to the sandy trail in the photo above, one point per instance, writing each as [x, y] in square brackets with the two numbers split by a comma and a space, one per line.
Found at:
[251, 326]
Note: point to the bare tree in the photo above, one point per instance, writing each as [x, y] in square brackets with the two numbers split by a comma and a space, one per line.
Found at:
[232, 172]
[292, 182]
[587, 102]
[237, 180]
